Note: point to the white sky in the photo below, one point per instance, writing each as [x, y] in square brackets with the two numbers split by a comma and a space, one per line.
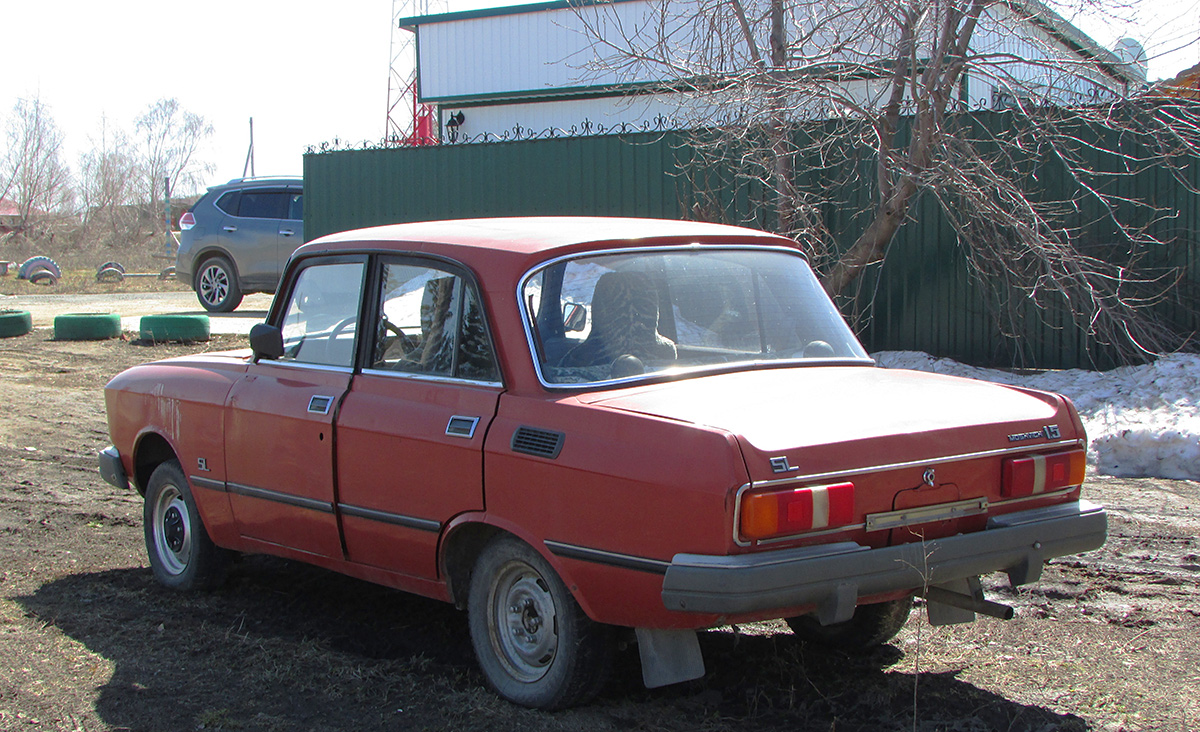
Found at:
[306, 71]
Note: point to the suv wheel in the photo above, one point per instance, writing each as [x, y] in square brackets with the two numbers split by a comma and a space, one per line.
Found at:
[217, 286]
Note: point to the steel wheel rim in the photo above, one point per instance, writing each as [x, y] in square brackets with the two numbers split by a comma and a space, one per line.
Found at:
[214, 284]
[171, 527]
[524, 625]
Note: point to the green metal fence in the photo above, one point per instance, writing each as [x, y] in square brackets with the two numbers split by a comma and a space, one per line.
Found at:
[921, 298]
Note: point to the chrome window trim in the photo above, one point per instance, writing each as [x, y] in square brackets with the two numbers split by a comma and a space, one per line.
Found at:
[432, 378]
[305, 365]
[821, 477]
[531, 342]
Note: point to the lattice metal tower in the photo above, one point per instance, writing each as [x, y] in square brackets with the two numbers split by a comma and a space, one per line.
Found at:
[408, 121]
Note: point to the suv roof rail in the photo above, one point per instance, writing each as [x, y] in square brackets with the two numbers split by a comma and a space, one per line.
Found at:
[265, 177]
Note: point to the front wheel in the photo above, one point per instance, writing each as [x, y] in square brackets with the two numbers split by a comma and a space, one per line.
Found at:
[182, 556]
[535, 645]
[870, 627]
[217, 286]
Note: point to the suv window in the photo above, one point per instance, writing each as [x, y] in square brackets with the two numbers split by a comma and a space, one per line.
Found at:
[229, 202]
[261, 204]
[295, 206]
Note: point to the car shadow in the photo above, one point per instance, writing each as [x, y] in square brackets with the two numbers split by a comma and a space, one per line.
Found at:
[288, 646]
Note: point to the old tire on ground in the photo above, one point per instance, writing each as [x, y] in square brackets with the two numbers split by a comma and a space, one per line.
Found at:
[217, 286]
[535, 645]
[42, 276]
[871, 627]
[174, 327]
[111, 265]
[110, 274]
[33, 264]
[15, 323]
[182, 556]
[87, 326]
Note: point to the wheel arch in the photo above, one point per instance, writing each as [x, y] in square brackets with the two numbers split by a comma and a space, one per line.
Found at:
[464, 540]
[151, 450]
[208, 253]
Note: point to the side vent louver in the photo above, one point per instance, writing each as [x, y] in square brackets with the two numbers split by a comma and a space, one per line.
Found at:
[533, 441]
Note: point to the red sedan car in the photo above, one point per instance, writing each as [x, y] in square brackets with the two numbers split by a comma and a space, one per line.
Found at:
[574, 426]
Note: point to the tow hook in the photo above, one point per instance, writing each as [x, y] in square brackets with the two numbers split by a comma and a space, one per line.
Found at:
[967, 602]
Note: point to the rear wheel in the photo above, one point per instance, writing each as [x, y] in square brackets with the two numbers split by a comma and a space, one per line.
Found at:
[217, 286]
[871, 627]
[535, 645]
[182, 556]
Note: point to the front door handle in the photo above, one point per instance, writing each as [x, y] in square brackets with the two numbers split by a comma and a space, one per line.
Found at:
[230, 228]
[286, 232]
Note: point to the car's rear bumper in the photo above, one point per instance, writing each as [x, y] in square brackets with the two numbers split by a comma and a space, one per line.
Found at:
[1016, 543]
[111, 468]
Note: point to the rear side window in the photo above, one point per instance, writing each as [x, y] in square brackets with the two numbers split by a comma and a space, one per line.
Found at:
[229, 202]
[261, 204]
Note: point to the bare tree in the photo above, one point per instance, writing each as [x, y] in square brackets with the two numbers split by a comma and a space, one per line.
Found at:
[170, 138]
[878, 93]
[36, 177]
[108, 184]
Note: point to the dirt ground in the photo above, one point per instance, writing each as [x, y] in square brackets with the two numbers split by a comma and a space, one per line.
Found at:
[88, 641]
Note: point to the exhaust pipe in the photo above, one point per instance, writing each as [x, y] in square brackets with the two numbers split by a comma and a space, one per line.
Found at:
[967, 602]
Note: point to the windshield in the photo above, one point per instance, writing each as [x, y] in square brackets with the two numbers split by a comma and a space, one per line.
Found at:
[617, 316]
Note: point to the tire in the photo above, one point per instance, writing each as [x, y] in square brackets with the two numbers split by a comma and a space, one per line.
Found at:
[42, 276]
[217, 287]
[174, 327]
[15, 323]
[31, 265]
[110, 274]
[182, 556]
[535, 645]
[111, 265]
[871, 627]
[87, 326]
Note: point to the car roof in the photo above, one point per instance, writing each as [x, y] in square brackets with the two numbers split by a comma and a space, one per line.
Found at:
[528, 239]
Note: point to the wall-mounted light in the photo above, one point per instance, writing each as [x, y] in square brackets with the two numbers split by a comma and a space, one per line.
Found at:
[453, 122]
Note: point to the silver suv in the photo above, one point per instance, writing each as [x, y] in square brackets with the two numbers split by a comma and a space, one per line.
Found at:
[237, 238]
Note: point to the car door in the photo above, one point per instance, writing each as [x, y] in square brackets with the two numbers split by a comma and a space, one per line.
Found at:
[279, 417]
[256, 238]
[411, 429]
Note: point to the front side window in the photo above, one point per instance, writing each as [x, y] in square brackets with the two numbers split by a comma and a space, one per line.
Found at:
[431, 323]
[622, 315]
[321, 320]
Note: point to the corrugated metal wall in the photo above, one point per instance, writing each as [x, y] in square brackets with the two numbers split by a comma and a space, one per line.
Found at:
[921, 298]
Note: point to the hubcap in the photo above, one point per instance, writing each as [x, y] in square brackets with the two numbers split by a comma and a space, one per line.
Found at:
[524, 628]
[172, 538]
[214, 285]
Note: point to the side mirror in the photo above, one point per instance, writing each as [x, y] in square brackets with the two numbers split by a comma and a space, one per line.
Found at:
[574, 317]
[266, 341]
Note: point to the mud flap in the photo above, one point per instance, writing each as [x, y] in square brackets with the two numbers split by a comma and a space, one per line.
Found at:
[669, 656]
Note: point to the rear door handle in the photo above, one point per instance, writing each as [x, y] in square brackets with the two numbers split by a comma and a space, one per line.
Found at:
[286, 232]
[230, 228]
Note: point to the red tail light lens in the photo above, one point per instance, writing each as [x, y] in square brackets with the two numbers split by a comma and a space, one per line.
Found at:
[186, 221]
[793, 511]
[1034, 474]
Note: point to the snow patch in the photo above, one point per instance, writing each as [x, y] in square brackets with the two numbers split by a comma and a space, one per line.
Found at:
[1142, 421]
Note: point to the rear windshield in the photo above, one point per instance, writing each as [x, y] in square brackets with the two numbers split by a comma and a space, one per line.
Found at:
[620, 316]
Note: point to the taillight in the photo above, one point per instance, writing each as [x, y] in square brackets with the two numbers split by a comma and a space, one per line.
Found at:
[793, 511]
[186, 221]
[1034, 474]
